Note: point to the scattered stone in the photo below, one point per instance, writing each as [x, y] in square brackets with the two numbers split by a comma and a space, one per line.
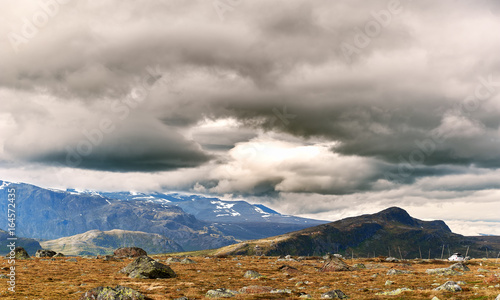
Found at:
[435, 298]
[335, 264]
[305, 296]
[111, 258]
[359, 266]
[182, 298]
[498, 297]
[221, 293]
[4, 276]
[19, 253]
[397, 272]
[281, 291]
[450, 286]
[395, 292]
[45, 253]
[255, 289]
[147, 268]
[72, 260]
[187, 261]
[252, 274]
[173, 260]
[129, 252]
[388, 282]
[119, 292]
[289, 270]
[483, 270]
[442, 271]
[58, 255]
[391, 259]
[335, 294]
[459, 267]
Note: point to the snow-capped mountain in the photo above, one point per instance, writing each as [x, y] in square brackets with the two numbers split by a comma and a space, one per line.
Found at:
[194, 221]
[214, 209]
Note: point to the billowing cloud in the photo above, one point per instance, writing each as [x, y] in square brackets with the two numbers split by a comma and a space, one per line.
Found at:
[289, 100]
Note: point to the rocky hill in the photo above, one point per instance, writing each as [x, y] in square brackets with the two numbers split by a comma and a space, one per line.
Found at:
[390, 232]
[96, 242]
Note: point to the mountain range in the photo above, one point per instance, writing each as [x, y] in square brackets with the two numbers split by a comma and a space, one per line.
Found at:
[391, 232]
[194, 222]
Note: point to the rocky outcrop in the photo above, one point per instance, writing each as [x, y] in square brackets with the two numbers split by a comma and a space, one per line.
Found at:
[147, 268]
[129, 252]
[109, 293]
[335, 264]
[45, 253]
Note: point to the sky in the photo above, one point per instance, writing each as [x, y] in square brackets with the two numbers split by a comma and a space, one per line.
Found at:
[322, 109]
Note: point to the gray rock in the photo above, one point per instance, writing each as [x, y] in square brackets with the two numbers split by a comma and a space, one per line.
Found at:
[483, 270]
[359, 266]
[442, 271]
[109, 293]
[20, 253]
[182, 298]
[392, 259]
[335, 264]
[221, 293]
[58, 255]
[173, 260]
[130, 252]
[252, 274]
[72, 260]
[498, 297]
[45, 253]
[187, 261]
[3, 276]
[335, 294]
[395, 292]
[450, 286]
[148, 268]
[281, 291]
[397, 272]
[459, 267]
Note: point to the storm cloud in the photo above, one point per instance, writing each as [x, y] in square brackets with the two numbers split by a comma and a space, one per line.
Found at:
[272, 101]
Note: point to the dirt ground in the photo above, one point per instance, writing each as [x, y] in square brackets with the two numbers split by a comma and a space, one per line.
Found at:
[62, 279]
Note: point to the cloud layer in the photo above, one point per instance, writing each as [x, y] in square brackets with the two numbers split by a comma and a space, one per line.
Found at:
[277, 103]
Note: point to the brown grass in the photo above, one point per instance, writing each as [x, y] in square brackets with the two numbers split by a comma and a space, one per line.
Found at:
[61, 279]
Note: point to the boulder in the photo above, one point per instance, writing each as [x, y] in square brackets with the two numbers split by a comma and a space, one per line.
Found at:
[173, 260]
[335, 264]
[19, 253]
[397, 272]
[109, 293]
[147, 268]
[335, 294]
[286, 269]
[394, 292]
[252, 274]
[459, 267]
[187, 261]
[221, 293]
[58, 255]
[442, 271]
[45, 253]
[129, 252]
[450, 286]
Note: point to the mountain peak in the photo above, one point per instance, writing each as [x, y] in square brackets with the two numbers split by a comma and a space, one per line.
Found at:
[396, 214]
